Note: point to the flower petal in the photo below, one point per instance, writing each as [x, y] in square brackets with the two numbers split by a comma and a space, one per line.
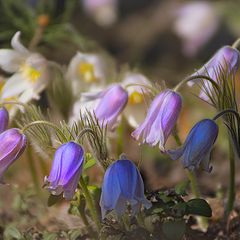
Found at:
[14, 86]
[17, 45]
[10, 60]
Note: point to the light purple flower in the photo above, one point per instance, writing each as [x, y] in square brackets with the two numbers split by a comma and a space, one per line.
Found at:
[12, 145]
[160, 120]
[4, 117]
[198, 145]
[111, 104]
[226, 59]
[66, 170]
[122, 184]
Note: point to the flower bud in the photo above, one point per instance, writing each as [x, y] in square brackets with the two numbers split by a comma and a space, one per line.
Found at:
[12, 145]
[4, 117]
[161, 118]
[225, 60]
[198, 145]
[122, 184]
[111, 104]
[66, 170]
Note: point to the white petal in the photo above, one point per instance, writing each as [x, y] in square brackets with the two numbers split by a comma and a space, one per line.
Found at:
[10, 60]
[17, 45]
[14, 86]
[135, 79]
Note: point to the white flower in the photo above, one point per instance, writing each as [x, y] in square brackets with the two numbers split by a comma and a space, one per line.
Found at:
[135, 110]
[104, 12]
[29, 72]
[195, 24]
[86, 71]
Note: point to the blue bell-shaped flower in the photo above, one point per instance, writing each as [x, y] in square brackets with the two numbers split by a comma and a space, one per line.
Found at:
[122, 185]
[198, 145]
[66, 170]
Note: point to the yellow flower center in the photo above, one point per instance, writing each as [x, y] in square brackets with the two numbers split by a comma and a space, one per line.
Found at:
[1, 85]
[30, 73]
[136, 98]
[86, 71]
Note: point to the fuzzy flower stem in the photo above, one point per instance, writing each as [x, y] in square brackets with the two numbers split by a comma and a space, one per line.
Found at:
[90, 203]
[191, 78]
[84, 131]
[236, 114]
[56, 128]
[231, 191]
[236, 44]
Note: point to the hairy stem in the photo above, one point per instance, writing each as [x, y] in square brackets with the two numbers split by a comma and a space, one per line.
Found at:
[41, 122]
[90, 203]
[191, 78]
[231, 187]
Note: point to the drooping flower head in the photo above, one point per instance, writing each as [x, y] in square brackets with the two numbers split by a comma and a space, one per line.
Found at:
[160, 120]
[29, 72]
[137, 85]
[196, 150]
[111, 104]
[122, 185]
[227, 59]
[66, 170]
[12, 145]
[3, 119]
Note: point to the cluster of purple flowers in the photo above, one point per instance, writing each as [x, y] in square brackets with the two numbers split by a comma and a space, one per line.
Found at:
[122, 182]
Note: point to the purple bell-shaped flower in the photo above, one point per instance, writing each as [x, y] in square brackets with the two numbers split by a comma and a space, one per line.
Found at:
[122, 185]
[66, 170]
[226, 59]
[111, 104]
[160, 120]
[4, 117]
[196, 150]
[12, 145]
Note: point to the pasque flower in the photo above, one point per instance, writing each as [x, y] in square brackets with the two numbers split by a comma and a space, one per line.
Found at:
[111, 104]
[86, 70]
[3, 119]
[160, 120]
[122, 185]
[66, 170]
[225, 59]
[196, 23]
[196, 150]
[29, 72]
[137, 86]
[12, 145]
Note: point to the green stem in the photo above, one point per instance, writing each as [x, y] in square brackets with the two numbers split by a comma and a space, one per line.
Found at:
[86, 223]
[191, 78]
[33, 170]
[120, 138]
[90, 203]
[231, 188]
[41, 122]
